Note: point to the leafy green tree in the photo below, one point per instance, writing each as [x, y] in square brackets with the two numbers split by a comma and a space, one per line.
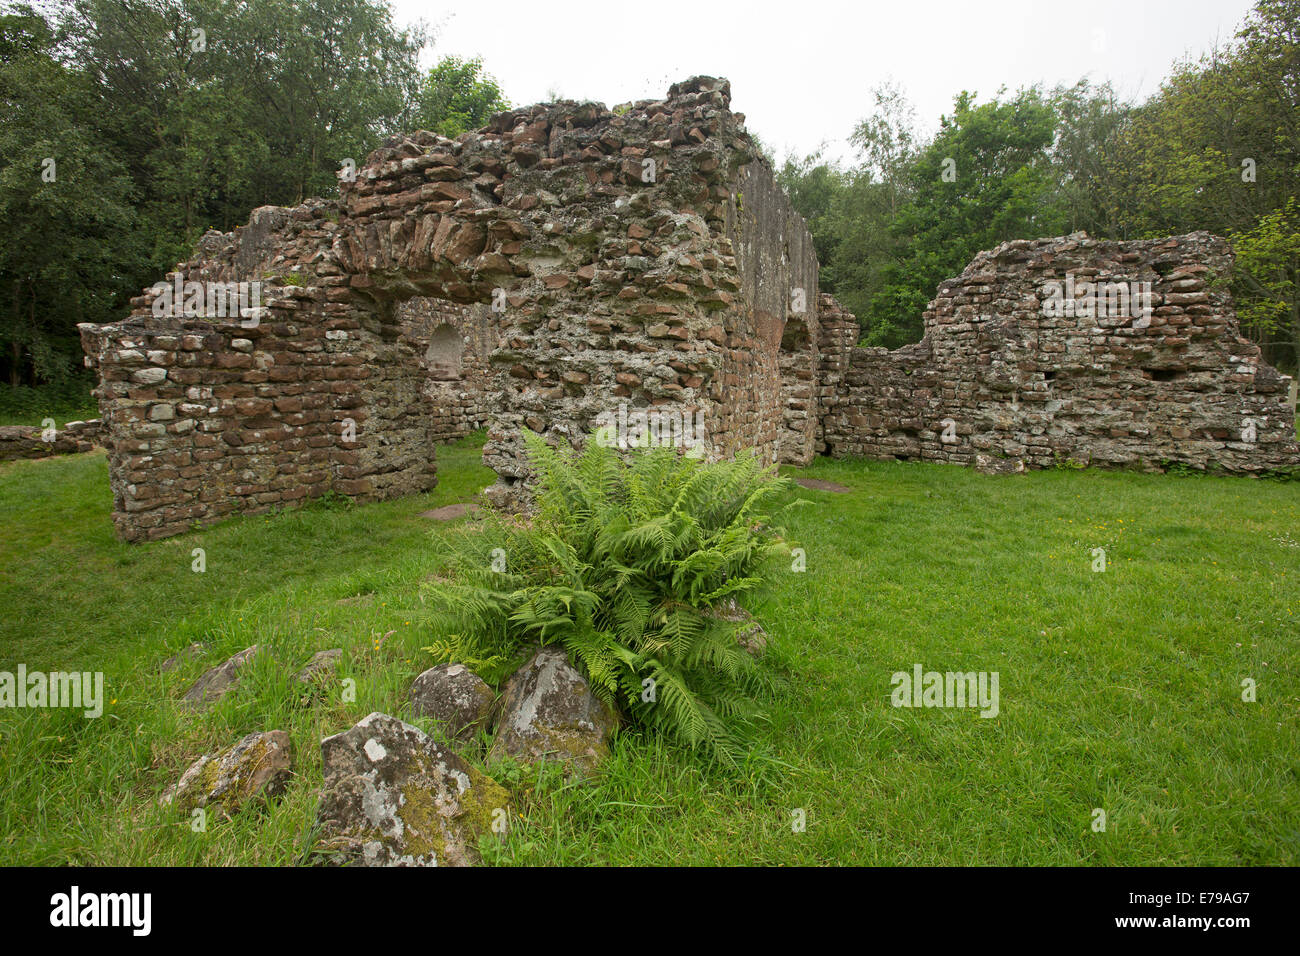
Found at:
[985, 178]
[222, 107]
[866, 210]
[1218, 148]
[850, 212]
[1267, 279]
[167, 118]
[65, 203]
[1090, 123]
[457, 96]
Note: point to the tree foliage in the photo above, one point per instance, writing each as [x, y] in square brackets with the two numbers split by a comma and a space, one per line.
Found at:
[167, 118]
[457, 96]
[65, 201]
[1217, 148]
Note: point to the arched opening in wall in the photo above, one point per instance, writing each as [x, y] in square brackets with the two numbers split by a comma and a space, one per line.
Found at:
[445, 355]
[795, 337]
[448, 344]
[796, 363]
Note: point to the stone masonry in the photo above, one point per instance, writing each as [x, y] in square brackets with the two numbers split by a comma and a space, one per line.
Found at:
[566, 260]
[1013, 387]
[23, 441]
[643, 256]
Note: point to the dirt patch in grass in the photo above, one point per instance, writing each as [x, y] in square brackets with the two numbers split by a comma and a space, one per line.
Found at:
[818, 485]
[450, 512]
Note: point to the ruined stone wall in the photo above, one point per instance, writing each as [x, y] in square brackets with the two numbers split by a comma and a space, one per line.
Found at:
[211, 415]
[568, 260]
[642, 256]
[1014, 387]
[25, 441]
[769, 367]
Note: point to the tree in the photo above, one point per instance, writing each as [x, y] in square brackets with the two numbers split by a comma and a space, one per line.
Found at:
[65, 202]
[221, 107]
[985, 178]
[865, 212]
[1267, 279]
[813, 185]
[1218, 148]
[1090, 124]
[457, 96]
[168, 118]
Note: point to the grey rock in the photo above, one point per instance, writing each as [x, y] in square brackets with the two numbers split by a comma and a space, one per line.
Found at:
[180, 657]
[753, 639]
[219, 681]
[548, 712]
[259, 766]
[321, 665]
[456, 697]
[394, 797]
[989, 465]
[749, 634]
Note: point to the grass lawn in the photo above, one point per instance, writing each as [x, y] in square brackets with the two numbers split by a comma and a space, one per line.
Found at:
[1119, 691]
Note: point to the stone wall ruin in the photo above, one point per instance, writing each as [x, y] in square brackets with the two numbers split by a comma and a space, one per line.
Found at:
[566, 260]
[641, 257]
[1013, 387]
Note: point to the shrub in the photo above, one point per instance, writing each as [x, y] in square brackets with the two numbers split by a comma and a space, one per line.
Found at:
[630, 564]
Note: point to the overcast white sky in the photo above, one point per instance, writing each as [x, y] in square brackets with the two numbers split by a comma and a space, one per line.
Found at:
[802, 71]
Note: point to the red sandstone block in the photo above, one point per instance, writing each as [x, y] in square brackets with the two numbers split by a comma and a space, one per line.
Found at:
[359, 486]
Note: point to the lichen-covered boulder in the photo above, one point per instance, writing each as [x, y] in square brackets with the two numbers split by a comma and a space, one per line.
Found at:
[548, 712]
[753, 638]
[220, 680]
[749, 633]
[321, 665]
[456, 697]
[394, 797]
[259, 766]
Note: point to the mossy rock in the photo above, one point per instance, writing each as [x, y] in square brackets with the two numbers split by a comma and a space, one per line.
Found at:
[456, 697]
[259, 767]
[548, 712]
[394, 797]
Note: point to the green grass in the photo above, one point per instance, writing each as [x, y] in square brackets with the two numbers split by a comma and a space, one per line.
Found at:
[1118, 690]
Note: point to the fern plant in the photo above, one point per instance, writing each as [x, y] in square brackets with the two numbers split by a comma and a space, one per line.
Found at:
[631, 565]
